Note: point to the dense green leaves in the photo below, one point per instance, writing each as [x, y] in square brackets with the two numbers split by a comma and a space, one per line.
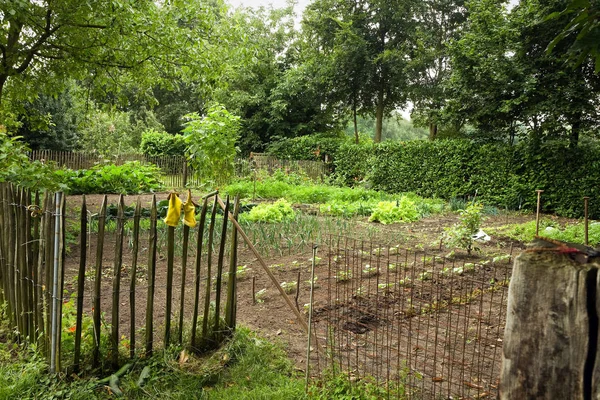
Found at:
[499, 174]
[156, 143]
[211, 142]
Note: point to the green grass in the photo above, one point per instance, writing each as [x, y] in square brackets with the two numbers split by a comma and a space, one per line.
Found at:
[573, 233]
[247, 367]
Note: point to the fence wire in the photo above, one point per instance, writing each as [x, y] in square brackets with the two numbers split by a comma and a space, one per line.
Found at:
[420, 323]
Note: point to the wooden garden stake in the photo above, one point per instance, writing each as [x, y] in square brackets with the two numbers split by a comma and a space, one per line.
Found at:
[80, 283]
[170, 266]
[211, 229]
[297, 292]
[217, 328]
[151, 278]
[55, 300]
[184, 255]
[537, 214]
[97, 283]
[253, 290]
[198, 264]
[118, 264]
[136, 236]
[231, 303]
[586, 221]
[310, 312]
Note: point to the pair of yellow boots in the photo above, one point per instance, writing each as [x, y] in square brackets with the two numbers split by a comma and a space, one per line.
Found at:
[174, 211]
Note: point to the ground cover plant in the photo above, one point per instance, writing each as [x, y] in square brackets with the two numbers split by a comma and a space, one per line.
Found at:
[130, 178]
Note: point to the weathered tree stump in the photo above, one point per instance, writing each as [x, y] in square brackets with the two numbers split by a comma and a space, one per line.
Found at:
[551, 339]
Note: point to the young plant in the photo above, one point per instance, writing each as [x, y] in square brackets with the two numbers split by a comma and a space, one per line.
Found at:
[368, 270]
[289, 287]
[344, 276]
[460, 235]
[260, 295]
[242, 271]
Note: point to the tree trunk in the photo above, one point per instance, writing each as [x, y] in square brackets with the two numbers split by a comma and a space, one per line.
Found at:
[433, 130]
[575, 129]
[550, 341]
[379, 117]
[3, 79]
[355, 122]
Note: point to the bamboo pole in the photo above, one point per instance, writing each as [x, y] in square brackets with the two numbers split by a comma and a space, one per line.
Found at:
[231, 303]
[98, 282]
[184, 256]
[18, 280]
[211, 229]
[198, 264]
[80, 283]
[29, 222]
[217, 328]
[49, 257]
[55, 300]
[3, 242]
[266, 269]
[61, 279]
[118, 264]
[151, 278]
[35, 254]
[136, 236]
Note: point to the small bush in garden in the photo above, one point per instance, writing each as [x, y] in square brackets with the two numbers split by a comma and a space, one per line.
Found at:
[460, 235]
[388, 212]
[279, 211]
[289, 287]
[155, 143]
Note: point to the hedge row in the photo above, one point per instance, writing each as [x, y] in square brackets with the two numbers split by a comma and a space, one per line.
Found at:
[156, 143]
[503, 175]
[312, 147]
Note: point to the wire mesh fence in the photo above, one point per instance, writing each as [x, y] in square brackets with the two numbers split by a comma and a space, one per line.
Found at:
[422, 324]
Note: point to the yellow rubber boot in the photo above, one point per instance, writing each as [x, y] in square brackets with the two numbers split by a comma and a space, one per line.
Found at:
[189, 211]
[174, 211]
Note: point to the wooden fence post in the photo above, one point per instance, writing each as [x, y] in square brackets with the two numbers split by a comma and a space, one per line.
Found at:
[550, 348]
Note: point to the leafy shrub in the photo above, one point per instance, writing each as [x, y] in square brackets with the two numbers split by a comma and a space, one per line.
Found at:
[155, 143]
[211, 142]
[279, 211]
[388, 212]
[129, 178]
[16, 167]
[311, 147]
[573, 233]
[500, 174]
[460, 235]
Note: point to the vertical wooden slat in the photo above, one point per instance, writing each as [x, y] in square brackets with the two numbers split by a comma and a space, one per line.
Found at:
[98, 282]
[3, 260]
[62, 256]
[80, 282]
[184, 256]
[7, 227]
[198, 264]
[151, 278]
[39, 271]
[49, 257]
[136, 236]
[217, 326]
[211, 229]
[170, 266]
[118, 264]
[35, 254]
[231, 303]
[29, 266]
[17, 267]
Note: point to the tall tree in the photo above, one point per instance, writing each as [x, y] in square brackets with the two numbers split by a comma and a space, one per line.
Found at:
[440, 23]
[42, 43]
[371, 40]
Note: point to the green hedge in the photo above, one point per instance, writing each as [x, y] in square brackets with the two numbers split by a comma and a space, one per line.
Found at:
[311, 147]
[156, 143]
[502, 175]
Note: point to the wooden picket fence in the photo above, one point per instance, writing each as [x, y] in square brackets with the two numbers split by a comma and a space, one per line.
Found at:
[41, 270]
